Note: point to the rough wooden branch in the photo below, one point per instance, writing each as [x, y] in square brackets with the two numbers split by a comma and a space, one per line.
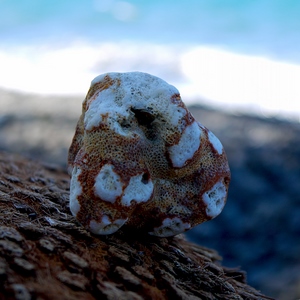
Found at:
[46, 254]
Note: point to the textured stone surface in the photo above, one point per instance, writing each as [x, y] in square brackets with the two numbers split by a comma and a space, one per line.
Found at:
[139, 159]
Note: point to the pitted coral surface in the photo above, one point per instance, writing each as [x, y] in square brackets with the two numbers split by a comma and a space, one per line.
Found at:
[139, 159]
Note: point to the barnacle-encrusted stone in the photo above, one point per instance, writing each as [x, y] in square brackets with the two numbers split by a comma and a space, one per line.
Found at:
[139, 159]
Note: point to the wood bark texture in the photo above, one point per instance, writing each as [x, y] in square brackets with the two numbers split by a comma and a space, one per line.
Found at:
[46, 254]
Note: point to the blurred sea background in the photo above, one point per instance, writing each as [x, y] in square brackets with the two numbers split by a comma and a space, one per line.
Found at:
[236, 64]
[240, 55]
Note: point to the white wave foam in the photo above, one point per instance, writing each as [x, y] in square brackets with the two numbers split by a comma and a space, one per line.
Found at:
[70, 70]
[216, 77]
[243, 82]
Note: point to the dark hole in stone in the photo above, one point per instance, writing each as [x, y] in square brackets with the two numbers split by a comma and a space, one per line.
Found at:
[145, 119]
[226, 180]
[143, 116]
[145, 178]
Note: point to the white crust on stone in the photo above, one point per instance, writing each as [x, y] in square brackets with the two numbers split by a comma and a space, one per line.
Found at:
[215, 199]
[215, 142]
[132, 89]
[170, 227]
[105, 104]
[106, 226]
[108, 185]
[75, 191]
[187, 146]
[137, 190]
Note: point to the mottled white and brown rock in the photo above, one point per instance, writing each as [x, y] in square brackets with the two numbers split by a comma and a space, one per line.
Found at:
[140, 160]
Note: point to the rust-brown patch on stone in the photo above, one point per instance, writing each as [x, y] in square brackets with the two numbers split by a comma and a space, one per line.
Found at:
[99, 87]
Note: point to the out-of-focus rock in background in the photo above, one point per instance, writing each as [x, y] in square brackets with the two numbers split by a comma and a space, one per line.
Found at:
[259, 228]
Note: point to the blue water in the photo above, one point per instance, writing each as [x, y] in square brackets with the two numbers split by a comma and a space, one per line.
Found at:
[242, 54]
[267, 27]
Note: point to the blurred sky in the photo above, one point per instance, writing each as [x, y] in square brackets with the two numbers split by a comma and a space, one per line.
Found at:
[235, 54]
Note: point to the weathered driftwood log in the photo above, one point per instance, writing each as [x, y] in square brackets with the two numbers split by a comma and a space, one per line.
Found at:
[46, 254]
